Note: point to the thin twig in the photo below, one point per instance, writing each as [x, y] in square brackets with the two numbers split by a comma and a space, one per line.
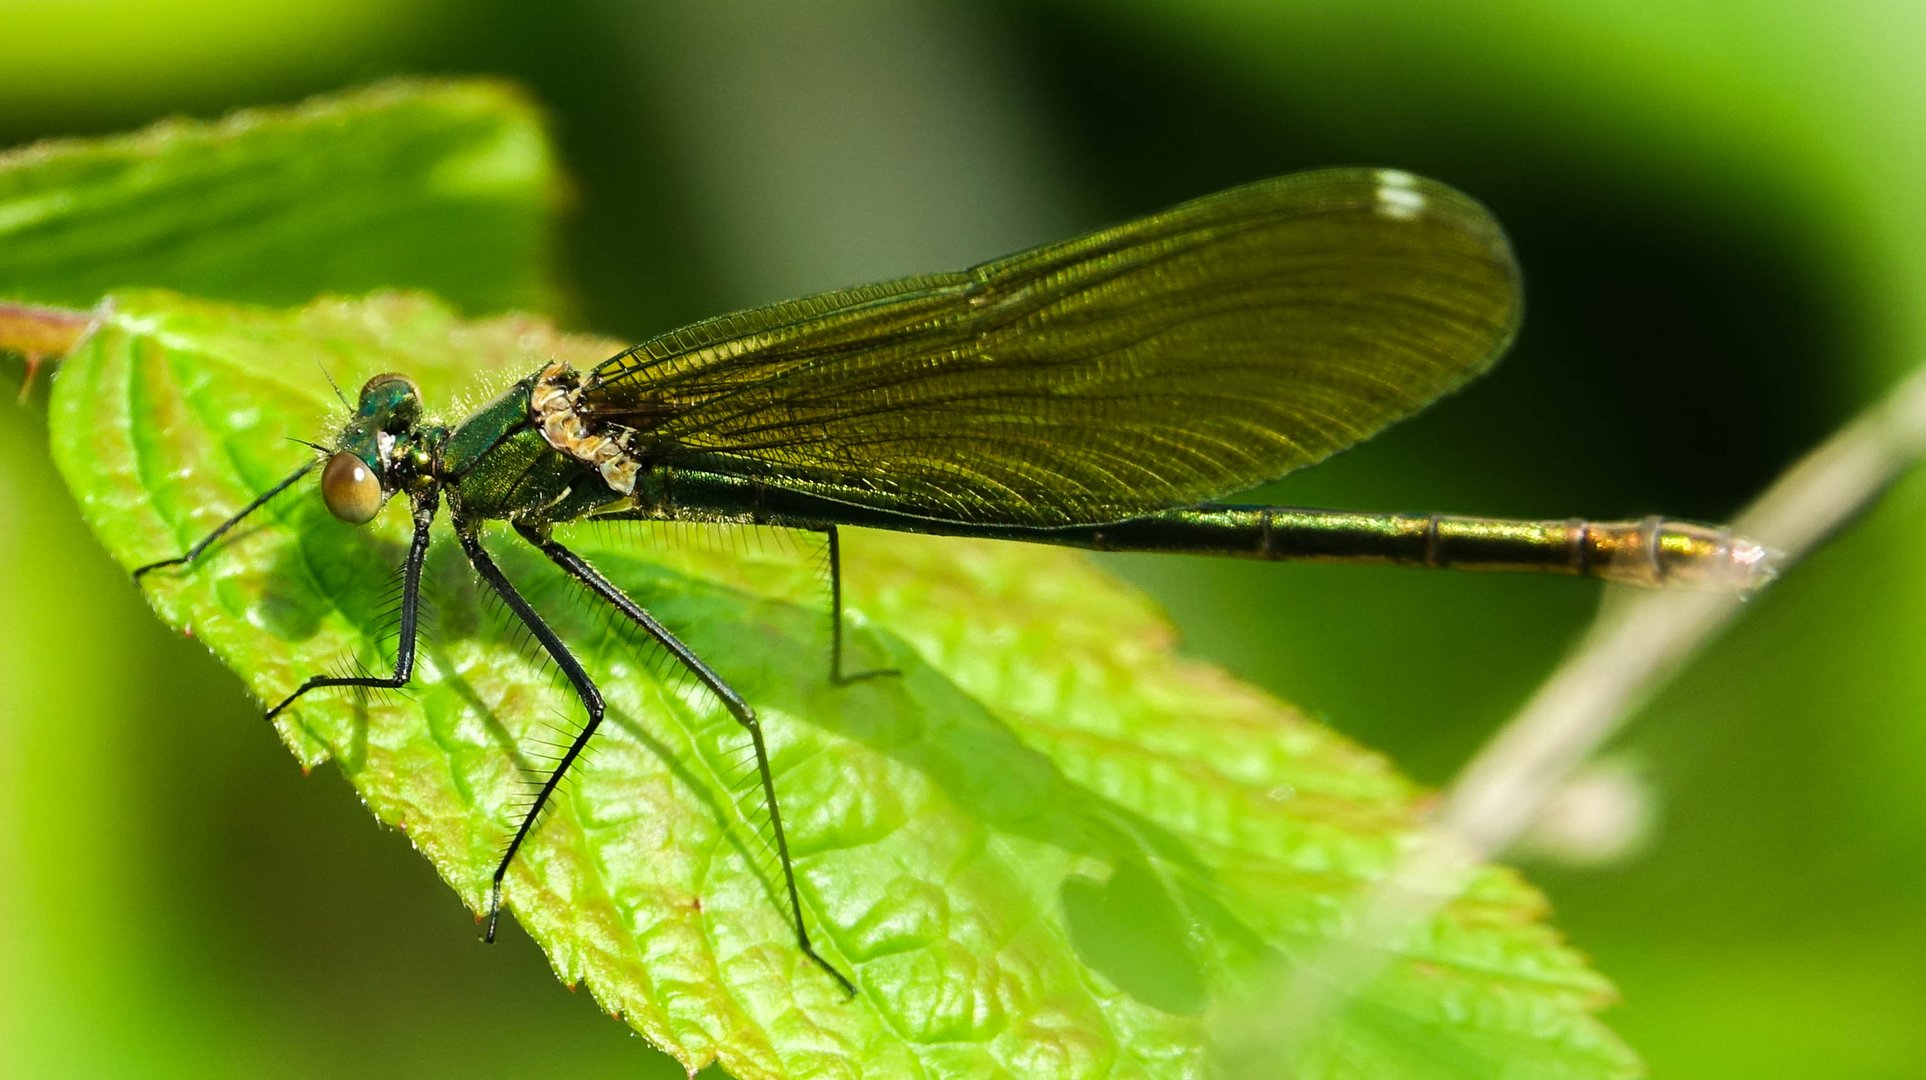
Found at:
[40, 334]
[1634, 646]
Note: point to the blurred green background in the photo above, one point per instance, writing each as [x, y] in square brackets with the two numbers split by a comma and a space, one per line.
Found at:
[1718, 209]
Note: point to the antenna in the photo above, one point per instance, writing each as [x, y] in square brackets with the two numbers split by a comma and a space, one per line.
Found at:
[335, 385]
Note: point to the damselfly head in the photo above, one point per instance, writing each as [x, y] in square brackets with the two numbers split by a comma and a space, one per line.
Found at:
[390, 403]
[360, 475]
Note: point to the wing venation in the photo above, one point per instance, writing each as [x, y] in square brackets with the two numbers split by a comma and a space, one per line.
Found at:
[1170, 360]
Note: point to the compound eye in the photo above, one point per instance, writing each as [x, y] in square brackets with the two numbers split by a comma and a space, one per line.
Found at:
[351, 489]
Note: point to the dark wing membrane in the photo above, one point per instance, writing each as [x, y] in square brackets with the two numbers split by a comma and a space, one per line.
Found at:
[1170, 360]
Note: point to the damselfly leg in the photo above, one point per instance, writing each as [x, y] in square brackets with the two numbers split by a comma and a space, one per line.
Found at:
[424, 505]
[424, 511]
[836, 673]
[739, 708]
[220, 530]
[585, 690]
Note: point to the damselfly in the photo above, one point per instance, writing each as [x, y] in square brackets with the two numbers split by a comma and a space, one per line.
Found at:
[1095, 393]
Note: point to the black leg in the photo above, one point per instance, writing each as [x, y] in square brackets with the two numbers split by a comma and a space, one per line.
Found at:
[836, 674]
[577, 677]
[579, 569]
[424, 507]
[219, 530]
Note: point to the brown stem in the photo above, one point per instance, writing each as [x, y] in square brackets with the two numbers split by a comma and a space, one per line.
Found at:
[39, 334]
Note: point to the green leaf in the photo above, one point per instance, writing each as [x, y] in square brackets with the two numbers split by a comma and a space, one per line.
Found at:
[440, 186]
[1050, 847]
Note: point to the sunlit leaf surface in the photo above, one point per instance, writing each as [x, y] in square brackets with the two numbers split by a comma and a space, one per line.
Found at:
[1050, 847]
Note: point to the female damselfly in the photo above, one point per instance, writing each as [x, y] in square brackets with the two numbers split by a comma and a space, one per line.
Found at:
[1095, 393]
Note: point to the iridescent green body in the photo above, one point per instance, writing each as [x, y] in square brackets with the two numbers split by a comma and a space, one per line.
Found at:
[1097, 393]
[495, 464]
[1650, 552]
